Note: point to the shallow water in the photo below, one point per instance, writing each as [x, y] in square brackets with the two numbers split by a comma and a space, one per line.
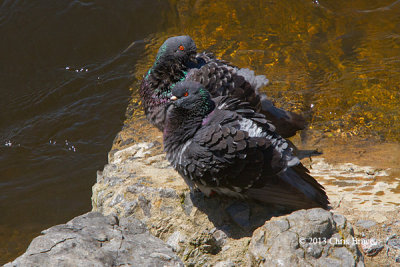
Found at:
[66, 68]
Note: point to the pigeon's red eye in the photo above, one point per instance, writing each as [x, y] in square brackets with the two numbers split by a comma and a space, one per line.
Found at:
[181, 48]
[186, 94]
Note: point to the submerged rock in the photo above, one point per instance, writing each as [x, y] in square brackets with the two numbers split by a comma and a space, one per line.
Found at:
[93, 239]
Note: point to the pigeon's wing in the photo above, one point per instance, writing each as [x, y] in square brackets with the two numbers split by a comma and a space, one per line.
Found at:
[221, 78]
[222, 154]
[299, 188]
[287, 123]
[225, 156]
[204, 58]
[245, 110]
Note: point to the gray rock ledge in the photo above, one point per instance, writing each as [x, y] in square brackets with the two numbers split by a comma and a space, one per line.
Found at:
[139, 182]
[138, 190]
[93, 239]
[312, 237]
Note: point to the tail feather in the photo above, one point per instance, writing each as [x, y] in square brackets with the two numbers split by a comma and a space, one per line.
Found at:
[305, 174]
[281, 196]
[256, 81]
[287, 123]
[295, 188]
[299, 178]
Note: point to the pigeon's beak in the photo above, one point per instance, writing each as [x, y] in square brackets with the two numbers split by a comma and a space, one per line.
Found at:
[173, 98]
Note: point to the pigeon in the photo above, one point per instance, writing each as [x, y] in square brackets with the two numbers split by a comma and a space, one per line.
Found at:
[221, 145]
[177, 60]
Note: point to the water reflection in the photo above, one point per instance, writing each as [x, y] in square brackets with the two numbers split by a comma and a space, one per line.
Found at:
[65, 73]
[337, 62]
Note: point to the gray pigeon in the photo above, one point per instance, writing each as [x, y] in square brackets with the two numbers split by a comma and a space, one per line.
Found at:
[223, 146]
[178, 60]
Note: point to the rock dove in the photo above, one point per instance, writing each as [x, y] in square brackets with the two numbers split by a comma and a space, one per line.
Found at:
[223, 146]
[177, 60]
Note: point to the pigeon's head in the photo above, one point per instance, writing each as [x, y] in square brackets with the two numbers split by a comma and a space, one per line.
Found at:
[193, 97]
[177, 49]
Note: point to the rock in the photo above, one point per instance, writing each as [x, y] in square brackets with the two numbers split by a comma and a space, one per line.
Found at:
[221, 237]
[371, 247]
[205, 231]
[340, 221]
[199, 249]
[93, 239]
[176, 240]
[365, 223]
[225, 248]
[379, 218]
[187, 204]
[393, 242]
[224, 264]
[145, 204]
[167, 193]
[117, 199]
[129, 207]
[134, 151]
[304, 238]
[206, 243]
[240, 214]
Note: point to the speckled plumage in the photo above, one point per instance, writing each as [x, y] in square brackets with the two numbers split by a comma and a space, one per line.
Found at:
[221, 145]
[218, 77]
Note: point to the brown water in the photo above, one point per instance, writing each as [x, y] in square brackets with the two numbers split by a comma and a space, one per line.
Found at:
[65, 72]
[338, 62]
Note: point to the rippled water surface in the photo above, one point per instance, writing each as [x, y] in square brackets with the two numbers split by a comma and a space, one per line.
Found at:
[65, 71]
[66, 68]
[338, 62]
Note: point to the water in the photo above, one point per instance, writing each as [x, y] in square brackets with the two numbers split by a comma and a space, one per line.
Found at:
[65, 72]
[337, 62]
[66, 68]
